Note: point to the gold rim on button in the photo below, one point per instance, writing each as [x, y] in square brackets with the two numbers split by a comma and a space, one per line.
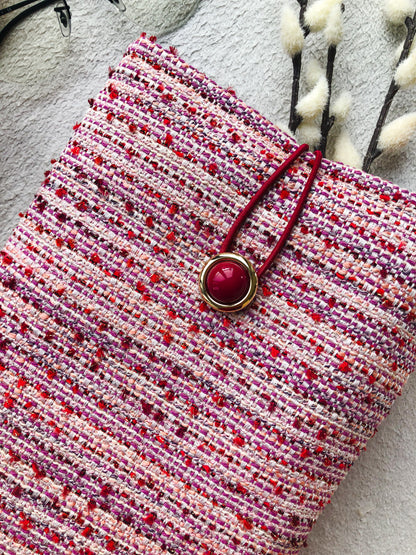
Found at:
[248, 297]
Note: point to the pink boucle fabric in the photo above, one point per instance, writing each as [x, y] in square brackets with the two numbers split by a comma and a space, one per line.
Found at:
[135, 418]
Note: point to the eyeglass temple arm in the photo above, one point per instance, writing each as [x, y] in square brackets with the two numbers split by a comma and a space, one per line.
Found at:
[119, 4]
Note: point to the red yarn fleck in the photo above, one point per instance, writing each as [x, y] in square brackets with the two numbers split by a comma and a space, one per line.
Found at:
[154, 278]
[87, 532]
[310, 374]
[247, 524]
[305, 453]
[79, 337]
[51, 374]
[82, 205]
[21, 382]
[344, 367]
[167, 337]
[218, 399]
[149, 519]
[169, 396]
[322, 434]
[17, 491]
[26, 524]
[66, 491]
[274, 352]
[126, 343]
[316, 317]
[295, 520]
[106, 490]
[149, 221]
[241, 489]
[238, 440]
[180, 431]
[213, 168]
[111, 545]
[297, 423]
[129, 206]
[61, 192]
[140, 287]
[146, 407]
[193, 410]
[39, 472]
[332, 302]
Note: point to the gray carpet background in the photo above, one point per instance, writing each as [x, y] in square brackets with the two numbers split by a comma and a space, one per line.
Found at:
[45, 81]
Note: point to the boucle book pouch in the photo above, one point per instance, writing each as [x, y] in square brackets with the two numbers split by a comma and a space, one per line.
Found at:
[136, 418]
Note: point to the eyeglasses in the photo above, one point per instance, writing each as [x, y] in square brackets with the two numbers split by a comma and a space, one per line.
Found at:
[61, 9]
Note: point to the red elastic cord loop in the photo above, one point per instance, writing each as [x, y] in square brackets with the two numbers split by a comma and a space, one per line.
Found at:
[260, 193]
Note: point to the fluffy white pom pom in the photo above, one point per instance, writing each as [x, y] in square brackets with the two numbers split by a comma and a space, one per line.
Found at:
[405, 75]
[313, 104]
[333, 29]
[314, 71]
[341, 106]
[395, 135]
[291, 33]
[398, 52]
[346, 152]
[316, 16]
[399, 49]
[309, 133]
[396, 11]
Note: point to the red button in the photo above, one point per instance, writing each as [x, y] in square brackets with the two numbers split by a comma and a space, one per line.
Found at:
[227, 282]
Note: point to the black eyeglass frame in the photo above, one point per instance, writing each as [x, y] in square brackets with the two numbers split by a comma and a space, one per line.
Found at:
[63, 13]
[33, 6]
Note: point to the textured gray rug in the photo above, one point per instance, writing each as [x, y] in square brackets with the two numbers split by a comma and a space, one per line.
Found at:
[45, 82]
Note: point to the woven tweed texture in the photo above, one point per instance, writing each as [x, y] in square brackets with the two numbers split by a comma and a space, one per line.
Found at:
[135, 418]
